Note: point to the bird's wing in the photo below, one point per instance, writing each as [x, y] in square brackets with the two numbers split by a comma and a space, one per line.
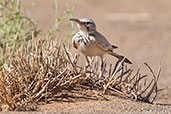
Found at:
[106, 46]
[103, 43]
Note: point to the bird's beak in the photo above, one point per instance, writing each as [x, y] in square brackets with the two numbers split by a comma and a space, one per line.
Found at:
[76, 20]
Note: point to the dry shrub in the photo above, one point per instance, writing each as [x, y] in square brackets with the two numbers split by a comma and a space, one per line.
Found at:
[50, 68]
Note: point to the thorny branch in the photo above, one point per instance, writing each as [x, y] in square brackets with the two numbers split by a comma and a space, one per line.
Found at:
[25, 80]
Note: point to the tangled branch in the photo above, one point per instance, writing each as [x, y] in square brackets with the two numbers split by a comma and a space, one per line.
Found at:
[47, 70]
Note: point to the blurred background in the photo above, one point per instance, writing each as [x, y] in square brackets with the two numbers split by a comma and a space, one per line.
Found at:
[141, 29]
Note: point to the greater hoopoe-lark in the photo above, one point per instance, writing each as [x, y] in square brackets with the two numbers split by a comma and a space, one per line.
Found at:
[92, 43]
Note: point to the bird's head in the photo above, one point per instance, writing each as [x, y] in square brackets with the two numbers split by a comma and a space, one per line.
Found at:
[85, 25]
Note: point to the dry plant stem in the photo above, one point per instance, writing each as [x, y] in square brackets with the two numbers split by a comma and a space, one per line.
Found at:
[111, 80]
[154, 87]
[69, 59]
[117, 67]
[47, 70]
[41, 91]
[135, 75]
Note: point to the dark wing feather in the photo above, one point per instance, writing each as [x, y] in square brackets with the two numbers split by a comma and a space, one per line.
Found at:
[74, 45]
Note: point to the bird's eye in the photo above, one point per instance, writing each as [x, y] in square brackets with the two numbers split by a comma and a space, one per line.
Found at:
[88, 23]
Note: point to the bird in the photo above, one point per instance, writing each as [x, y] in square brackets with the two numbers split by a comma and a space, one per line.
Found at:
[92, 43]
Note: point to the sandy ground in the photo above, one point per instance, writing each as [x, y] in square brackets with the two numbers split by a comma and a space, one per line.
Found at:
[141, 30]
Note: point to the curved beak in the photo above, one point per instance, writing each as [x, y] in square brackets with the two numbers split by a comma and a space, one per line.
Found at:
[76, 20]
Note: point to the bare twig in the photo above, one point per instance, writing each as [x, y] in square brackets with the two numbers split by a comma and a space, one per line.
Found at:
[49, 69]
[69, 59]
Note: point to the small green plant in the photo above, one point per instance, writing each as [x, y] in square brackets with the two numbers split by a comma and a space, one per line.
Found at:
[58, 21]
[15, 28]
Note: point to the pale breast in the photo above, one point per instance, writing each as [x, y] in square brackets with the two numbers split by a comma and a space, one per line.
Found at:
[87, 44]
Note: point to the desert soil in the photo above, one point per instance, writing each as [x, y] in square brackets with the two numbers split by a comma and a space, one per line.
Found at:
[141, 30]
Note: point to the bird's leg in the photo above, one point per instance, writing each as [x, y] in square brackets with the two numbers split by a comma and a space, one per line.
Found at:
[88, 62]
[101, 67]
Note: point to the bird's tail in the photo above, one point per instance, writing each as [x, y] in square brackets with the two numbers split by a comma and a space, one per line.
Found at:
[120, 57]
